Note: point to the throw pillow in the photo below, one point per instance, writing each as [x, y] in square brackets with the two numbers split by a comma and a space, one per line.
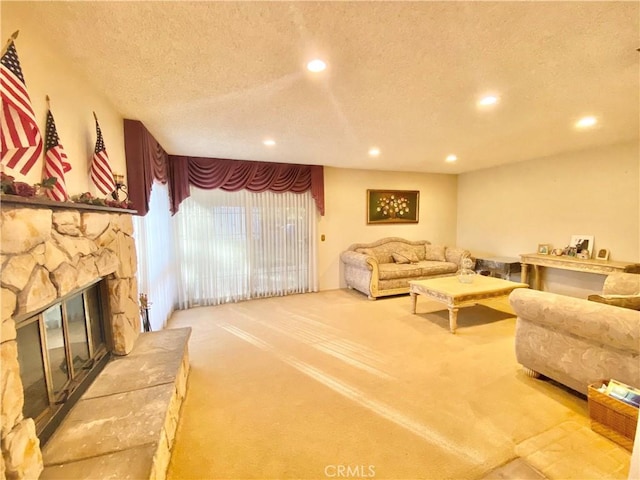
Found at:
[399, 258]
[434, 252]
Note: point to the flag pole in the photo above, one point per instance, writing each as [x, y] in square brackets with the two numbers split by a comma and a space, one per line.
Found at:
[48, 104]
[11, 39]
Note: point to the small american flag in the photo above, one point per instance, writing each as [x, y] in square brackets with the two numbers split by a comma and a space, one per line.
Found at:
[101, 173]
[55, 164]
[21, 140]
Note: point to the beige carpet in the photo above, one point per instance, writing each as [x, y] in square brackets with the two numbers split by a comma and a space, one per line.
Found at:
[332, 385]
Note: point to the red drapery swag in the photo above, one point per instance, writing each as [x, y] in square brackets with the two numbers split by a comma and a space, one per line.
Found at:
[235, 175]
[146, 161]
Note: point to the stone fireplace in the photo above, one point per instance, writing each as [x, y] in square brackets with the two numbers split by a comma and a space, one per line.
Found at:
[49, 250]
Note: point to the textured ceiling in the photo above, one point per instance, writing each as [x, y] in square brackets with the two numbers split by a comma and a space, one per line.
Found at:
[215, 79]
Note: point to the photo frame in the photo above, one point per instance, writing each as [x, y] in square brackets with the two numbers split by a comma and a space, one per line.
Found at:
[582, 242]
[392, 206]
[544, 248]
[602, 254]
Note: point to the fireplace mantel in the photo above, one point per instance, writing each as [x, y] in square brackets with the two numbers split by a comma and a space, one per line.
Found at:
[18, 201]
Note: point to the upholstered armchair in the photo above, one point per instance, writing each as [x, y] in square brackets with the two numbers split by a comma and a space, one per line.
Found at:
[620, 290]
[576, 341]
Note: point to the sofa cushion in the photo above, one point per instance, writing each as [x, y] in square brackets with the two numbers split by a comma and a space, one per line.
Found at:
[383, 257]
[385, 251]
[405, 253]
[379, 255]
[389, 271]
[431, 267]
[434, 252]
[418, 251]
[456, 254]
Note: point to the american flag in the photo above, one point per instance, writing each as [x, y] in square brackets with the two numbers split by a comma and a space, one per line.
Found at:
[21, 140]
[55, 164]
[101, 173]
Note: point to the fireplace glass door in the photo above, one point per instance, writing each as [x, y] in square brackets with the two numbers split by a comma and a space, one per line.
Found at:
[57, 348]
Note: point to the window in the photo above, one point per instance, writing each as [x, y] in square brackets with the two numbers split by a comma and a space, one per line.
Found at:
[239, 245]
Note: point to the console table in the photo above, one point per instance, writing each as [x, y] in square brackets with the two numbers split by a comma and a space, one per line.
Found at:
[602, 267]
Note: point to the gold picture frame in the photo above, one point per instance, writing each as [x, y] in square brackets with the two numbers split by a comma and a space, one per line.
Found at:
[392, 206]
[544, 248]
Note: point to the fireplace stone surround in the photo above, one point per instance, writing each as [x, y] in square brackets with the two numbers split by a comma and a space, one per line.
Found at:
[49, 249]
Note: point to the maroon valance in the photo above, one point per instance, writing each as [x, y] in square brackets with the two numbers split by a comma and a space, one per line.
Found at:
[146, 162]
[234, 175]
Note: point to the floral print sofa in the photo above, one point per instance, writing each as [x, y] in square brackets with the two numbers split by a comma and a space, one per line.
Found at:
[386, 266]
[578, 342]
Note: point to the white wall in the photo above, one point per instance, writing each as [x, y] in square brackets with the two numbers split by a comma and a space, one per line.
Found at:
[509, 210]
[72, 102]
[345, 222]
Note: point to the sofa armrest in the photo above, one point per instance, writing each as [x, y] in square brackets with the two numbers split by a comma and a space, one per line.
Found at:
[598, 323]
[361, 272]
[457, 254]
[358, 260]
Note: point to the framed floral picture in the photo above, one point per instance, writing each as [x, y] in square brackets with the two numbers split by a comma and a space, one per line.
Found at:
[392, 206]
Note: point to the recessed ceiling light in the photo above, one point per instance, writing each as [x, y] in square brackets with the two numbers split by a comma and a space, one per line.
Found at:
[269, 142]
[586, 122]
[488, 100]
[374, 152]
[316, 65]
[451, 158]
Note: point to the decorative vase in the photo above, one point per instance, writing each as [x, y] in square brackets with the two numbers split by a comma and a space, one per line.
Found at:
[465, 274]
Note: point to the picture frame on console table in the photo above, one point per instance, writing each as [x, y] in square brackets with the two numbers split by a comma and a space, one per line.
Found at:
[544, 248]
[392, 206]
[582, 242]
[602, 254]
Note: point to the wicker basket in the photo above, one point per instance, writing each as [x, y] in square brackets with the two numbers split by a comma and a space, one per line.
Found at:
[612, 418]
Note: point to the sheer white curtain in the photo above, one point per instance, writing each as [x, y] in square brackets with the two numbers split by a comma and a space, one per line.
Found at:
[235, 246]
[157, 276]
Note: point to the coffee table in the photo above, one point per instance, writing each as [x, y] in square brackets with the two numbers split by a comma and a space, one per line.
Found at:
[454, 294]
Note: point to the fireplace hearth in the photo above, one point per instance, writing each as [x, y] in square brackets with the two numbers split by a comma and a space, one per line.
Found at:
[58, 260]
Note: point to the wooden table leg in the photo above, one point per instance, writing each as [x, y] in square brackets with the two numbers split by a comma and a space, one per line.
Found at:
[524, 273]
[536, 281]
[414, 298]
[453, 319]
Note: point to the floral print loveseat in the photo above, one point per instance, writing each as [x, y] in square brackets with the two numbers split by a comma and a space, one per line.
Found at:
[386, 266]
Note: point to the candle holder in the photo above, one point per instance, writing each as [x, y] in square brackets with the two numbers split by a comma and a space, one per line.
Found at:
[120, 187]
